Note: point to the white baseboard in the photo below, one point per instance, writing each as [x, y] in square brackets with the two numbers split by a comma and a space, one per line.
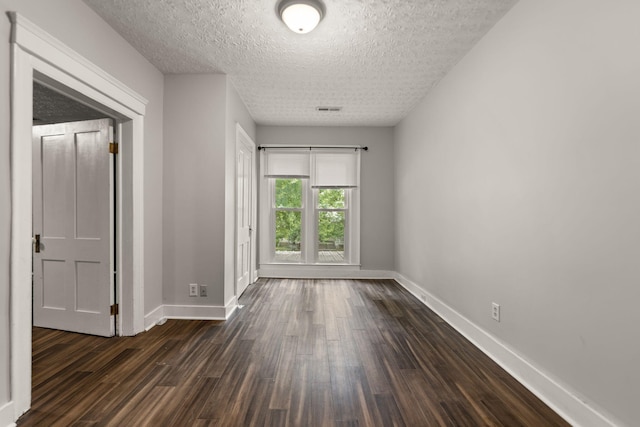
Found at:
[230, 307]
[195, 312]
[152, 319]
[335, 272]
[189, 312]
[575, 409]
[7, 415]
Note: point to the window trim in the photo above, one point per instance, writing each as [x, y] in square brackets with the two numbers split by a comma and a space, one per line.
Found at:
[347, 219]
[309, 249]
[271, 183]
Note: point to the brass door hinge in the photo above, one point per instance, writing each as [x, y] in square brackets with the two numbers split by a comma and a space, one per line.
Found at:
[114, 309]
[113, 147]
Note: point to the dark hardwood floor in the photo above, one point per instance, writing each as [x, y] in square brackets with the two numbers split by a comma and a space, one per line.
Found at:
[300, 353]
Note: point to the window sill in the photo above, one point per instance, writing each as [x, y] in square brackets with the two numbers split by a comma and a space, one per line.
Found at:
[325, 271]
[297, 265]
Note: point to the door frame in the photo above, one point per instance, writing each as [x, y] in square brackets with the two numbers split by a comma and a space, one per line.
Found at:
[242, 137]
[36, 55]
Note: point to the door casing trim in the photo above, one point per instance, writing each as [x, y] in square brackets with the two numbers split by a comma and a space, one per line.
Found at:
[35, 54]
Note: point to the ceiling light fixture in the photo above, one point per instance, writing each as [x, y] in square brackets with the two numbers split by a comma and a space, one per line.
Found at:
[301, 16]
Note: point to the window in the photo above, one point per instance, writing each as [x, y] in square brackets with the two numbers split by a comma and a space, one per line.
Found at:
[288, 219]
[331, 210]
[310, 207]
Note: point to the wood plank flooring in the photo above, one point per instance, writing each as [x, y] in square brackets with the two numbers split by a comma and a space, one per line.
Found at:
[299, 353]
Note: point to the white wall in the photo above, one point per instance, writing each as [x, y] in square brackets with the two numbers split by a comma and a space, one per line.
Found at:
[377, 177]
[73, 23]
[194, 187]
[517, 182]
[236, 112]
[201, 112]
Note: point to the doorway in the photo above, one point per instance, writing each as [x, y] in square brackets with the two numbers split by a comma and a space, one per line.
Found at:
[74, 221]
[36, 56]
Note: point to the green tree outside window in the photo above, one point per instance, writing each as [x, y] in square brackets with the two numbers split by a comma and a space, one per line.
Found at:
[331, 222]
[288, 222]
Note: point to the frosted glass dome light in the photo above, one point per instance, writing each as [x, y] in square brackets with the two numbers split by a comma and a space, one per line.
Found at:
[301, 16]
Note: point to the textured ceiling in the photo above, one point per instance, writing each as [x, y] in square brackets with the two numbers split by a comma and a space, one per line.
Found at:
[374, 58]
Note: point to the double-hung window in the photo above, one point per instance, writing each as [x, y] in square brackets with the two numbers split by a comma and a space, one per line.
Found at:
[288, 219]
[310, 207]
[330, 218]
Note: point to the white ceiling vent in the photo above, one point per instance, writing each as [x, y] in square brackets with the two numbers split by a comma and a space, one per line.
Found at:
[328, 109]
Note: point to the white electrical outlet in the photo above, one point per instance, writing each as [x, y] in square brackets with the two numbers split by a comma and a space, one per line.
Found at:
[495, 311]
[193, 290]
[203, 290]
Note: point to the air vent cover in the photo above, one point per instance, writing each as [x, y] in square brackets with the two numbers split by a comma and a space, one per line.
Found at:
[327, 109]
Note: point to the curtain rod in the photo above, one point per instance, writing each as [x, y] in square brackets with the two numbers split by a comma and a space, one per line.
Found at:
[314, 147]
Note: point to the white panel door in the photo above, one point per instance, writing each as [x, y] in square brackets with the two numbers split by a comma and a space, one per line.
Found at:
[72, 215]
[244, 209]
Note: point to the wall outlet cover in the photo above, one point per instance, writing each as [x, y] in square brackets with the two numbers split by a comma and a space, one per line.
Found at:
[495, 311]
[193, 290]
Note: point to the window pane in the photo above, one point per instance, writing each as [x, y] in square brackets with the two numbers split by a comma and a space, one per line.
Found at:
[331, 236]
[331, 198]
[288, 233]
[288, 193]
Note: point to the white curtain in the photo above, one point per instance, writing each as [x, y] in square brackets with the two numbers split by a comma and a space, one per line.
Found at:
[340, 169]
[326, 168]
[286, 164]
